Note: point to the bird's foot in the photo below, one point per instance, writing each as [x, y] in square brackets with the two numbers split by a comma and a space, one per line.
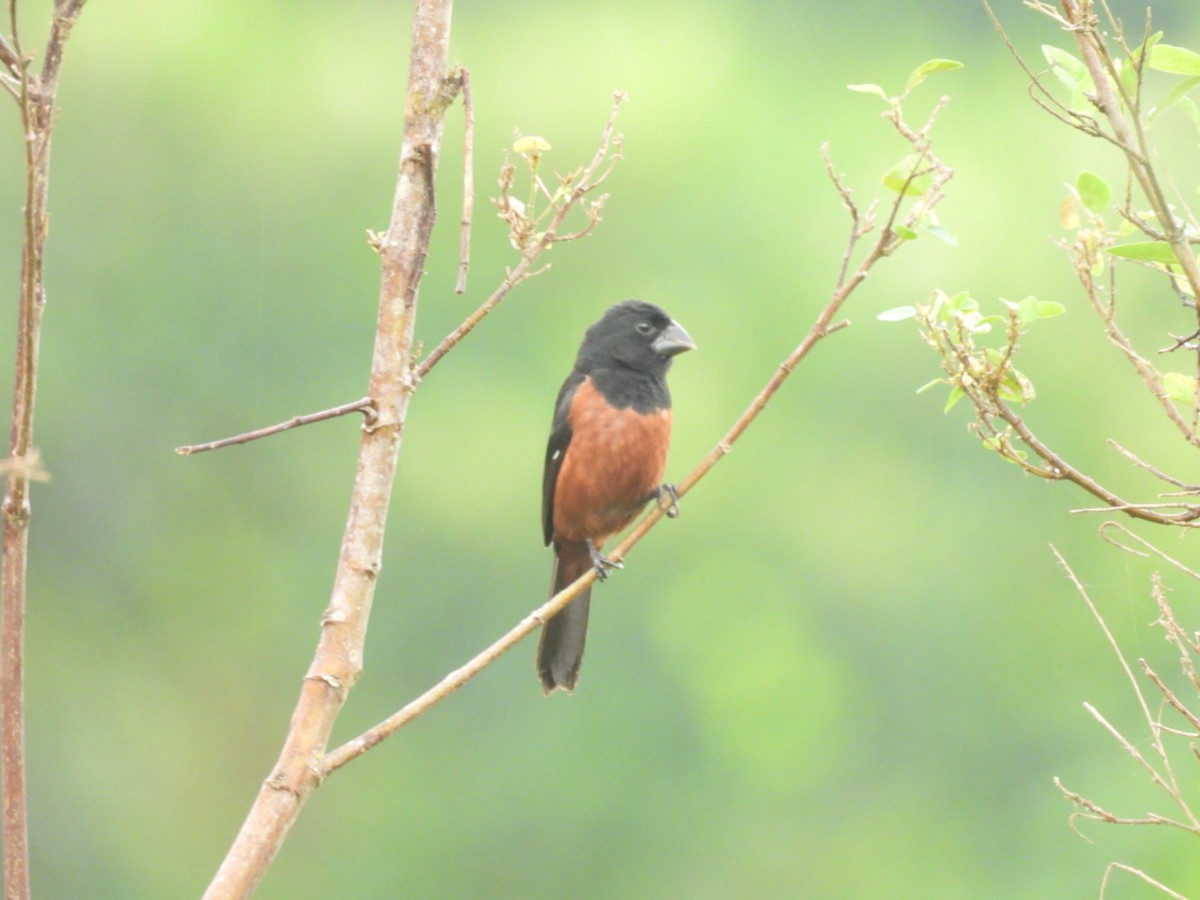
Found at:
[668, 491]
[601, 563]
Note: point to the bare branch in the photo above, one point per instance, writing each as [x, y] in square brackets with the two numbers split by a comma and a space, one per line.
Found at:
[1137, 873]
[1145, 543]
[36, 96]
[1100, 814]
[456, 679]
[364, 406]
[1157, 473]
[1170, 697]
[1164, 779]
[584, 182]
[464, 237]
[886, 243]
[337, 662]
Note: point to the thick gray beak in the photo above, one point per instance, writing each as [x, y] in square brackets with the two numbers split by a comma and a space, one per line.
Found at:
[673, 340]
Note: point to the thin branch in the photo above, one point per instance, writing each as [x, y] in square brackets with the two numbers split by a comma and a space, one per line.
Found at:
[886, 243]
[460, 676]
[1112, 641]
[1147, 372]
[464, 235]
[1156, 472]
[1145, 511]
[860, 223]
[335, 759]
[1100, 814]
[586, 180]
[1166, 783]
[10, 59]
[1059, 468]
[1145, 543]
[1166, 779]
[1137, 873]
[1169, 695]
[365, 406]
[36, 96]
[1187, 644]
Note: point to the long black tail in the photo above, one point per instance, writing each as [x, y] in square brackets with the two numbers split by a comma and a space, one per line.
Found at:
[560, 650]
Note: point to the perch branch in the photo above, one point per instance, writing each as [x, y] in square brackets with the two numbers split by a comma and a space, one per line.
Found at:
[886, 243]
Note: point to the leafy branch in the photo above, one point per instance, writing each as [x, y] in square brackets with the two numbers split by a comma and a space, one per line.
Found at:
[1100, 87]
[1104, 88]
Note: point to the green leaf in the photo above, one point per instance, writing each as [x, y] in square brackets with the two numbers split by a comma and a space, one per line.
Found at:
[897, 314]
[900, 178]
[1146, 251]
[927, 68]
[964, 302]
[927, 385]
[1094, 192]
[1048, 309]
[1176, 60]
[942, 234]
[1175, 95]
[870, 89]
[1147, 45]
[1188, 105]
[1179, 387]
[1027, 310]
[944, 306]
[956, 394]
[1069, 70]
[1015, 387]
[905, 232]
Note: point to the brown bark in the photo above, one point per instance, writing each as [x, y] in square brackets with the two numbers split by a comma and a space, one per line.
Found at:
[337, 664]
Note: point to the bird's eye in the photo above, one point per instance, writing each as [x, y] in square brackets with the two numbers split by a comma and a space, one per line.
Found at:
[645, 328]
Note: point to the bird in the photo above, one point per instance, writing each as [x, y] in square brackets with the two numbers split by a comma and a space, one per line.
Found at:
[605, 460]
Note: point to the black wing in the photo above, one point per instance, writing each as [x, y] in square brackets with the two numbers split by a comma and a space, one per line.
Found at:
[556, 449]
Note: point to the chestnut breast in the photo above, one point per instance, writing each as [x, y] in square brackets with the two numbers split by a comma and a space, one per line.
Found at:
[626, 454]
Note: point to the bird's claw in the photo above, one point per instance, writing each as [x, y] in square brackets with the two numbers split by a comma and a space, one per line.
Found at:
[601, 563]
[668, 490]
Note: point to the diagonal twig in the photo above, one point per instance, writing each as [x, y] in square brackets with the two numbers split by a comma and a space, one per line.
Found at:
[886, 243]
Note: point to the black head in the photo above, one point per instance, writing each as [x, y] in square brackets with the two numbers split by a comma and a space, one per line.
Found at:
[633, 335]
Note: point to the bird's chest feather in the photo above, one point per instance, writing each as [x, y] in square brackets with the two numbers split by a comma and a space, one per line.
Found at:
[615, 458]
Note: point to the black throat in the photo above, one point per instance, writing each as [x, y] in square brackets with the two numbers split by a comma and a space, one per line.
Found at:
[625, 388]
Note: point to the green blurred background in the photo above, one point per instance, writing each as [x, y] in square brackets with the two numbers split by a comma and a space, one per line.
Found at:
[850, 669]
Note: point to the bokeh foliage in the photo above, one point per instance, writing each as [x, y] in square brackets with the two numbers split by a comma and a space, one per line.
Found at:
[851, 668]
